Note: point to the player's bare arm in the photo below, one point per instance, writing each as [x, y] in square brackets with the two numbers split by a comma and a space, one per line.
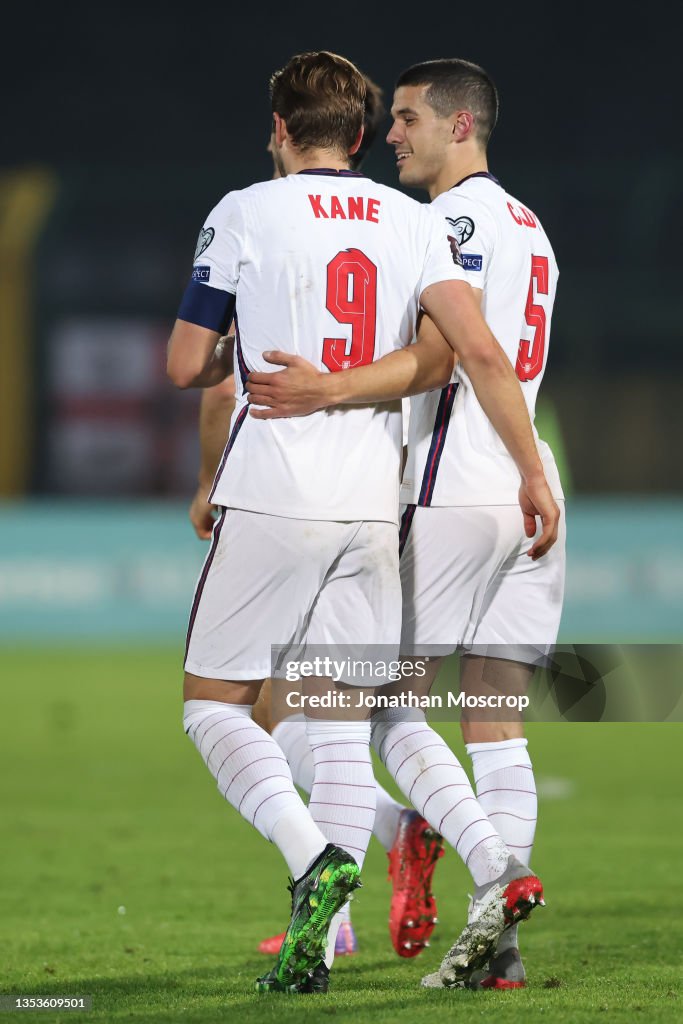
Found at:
[197, 356]
[456, 312]
[301, 389]
[214, 425]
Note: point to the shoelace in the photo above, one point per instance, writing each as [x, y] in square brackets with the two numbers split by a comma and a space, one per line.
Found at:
[472, 909]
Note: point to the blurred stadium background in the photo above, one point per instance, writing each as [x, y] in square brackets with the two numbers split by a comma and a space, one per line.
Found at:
[133, 123]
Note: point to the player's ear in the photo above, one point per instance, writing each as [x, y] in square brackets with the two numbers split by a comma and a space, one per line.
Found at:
[359, 138]
[279, 129]
[463, 125]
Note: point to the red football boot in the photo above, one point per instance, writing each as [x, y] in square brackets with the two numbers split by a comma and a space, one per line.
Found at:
[345, 944]
[272, 945]
[412, 860]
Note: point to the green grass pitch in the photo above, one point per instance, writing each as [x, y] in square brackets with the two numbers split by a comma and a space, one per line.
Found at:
[106, 806]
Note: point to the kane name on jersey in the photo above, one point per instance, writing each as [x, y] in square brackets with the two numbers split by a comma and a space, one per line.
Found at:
[346, 208]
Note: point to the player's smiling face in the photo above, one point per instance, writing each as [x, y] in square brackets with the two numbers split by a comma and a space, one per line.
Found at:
[419, 137]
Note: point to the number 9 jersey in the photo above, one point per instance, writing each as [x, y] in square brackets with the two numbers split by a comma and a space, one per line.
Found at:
[330, 266]
[455, 457]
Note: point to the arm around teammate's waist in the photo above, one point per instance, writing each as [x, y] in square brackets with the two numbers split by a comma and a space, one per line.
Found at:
[301, 389]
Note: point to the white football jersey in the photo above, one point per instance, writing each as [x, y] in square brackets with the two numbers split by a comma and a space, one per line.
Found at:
[455, 457]
[328, 265]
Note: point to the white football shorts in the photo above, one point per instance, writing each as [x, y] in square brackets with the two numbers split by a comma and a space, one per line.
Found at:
[467, 582]
[272, 580]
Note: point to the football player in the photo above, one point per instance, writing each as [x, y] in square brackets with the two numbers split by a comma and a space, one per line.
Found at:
[412, 846]
[217, 403]
[468, 581]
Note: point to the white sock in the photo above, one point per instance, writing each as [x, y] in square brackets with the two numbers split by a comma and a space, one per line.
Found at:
[431, 777]
[506, 789]
[253, 775]
[345, 913]
[386, 818]
[290, 734]
[343, 795]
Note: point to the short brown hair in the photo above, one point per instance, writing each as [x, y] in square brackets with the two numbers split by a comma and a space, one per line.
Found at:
[321, 97]
[374, 115]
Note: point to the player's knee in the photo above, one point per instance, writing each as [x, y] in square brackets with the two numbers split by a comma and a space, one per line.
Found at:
[490, 732]
[226, 691]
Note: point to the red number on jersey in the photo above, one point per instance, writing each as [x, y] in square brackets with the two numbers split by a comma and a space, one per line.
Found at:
[351, 299]
[530, 353]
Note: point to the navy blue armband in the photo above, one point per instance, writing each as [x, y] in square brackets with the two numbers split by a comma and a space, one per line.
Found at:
[207, 307]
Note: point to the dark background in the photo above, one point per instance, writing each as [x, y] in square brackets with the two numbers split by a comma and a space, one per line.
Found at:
[147, 114]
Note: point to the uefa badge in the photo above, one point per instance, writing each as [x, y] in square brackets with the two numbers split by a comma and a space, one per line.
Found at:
[203, 242]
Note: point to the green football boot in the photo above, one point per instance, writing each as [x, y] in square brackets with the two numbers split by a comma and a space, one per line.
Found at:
[315, 983]
[316, 898]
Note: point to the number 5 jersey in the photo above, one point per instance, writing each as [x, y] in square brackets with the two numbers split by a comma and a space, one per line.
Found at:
[455, 457]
